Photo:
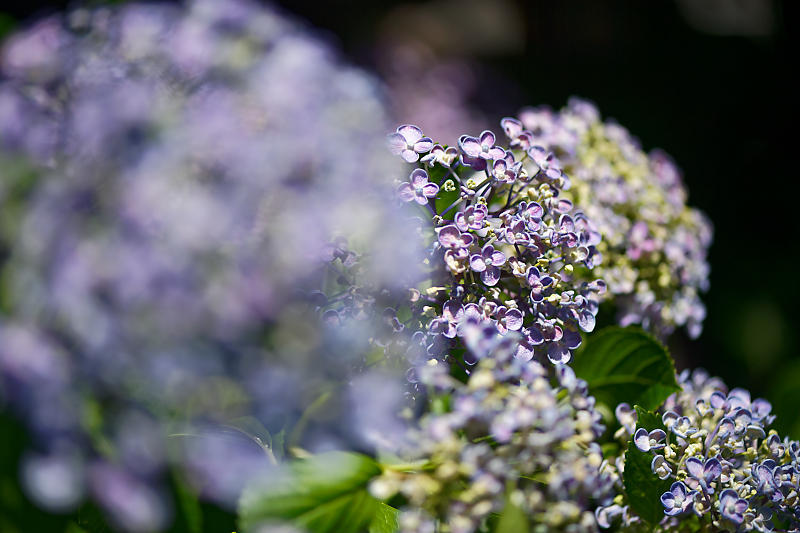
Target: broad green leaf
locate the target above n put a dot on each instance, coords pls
(626, 365)
(321, 494)
(648, 420)
(385, 519)
(642, 486)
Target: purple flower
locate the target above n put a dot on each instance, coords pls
(546, 162)
(417, 188)
(731, 506)
(537, 282)
(487, 263)
(660, 467)
(702, 474)
(442, 156)
(471, 218)
(649, 441)
(451, 237)
(481, 148)
(558, 353)
(677, 500)
(516, 133)
(447, 324)
(764, 476)
(508, 319)
(409, 142)
(506, 169)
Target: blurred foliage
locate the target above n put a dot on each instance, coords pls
(19, 515)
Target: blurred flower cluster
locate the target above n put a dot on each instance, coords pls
(727, 466)
(654, 247)
(173, 179)
(516, 433)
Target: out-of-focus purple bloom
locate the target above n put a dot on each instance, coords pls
(408, 142)
(546, 162)
(447, 324)
(417, 188)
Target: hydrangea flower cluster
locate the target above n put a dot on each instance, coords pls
(727, 466)
(509, 437)
(190, 167)
(654, 247)
(506, 245)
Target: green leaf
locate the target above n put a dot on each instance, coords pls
(648, 419)
(512, 520)
(321, 494)
(385, 519)
(642, 486)
(188, 505)
(626, 365)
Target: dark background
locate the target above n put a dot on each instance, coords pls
(709, 81)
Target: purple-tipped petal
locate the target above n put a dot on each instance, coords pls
(409, 156)
(642, 440)
(557, 353)
(410, 133)
(423, 145)
(660, 467)
(430, 190)
(490, 276)
(397, 143)
(695, 467)
(495, 153)
(514, 319)
(712, 470)
(450, 237)
(511, 126)
(477, 263)
(470, 146)
(406, 192)
(498, 258)
(418, 178)
(487, 139)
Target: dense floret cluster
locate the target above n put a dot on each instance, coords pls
(517, 431)
(506, 245)
(726, 466)
(654, 247)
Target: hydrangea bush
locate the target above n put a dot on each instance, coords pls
(222, 266)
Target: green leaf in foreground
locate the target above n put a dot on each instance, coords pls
(626, 365)
(642, 486)
(385, 519)
(321, 494)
